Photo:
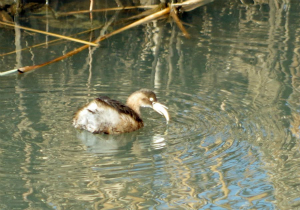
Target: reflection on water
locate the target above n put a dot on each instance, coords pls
(233, 97)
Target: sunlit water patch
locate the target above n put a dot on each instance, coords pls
(203, 147)
(201, 159)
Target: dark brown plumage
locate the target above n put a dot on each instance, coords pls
(118, 106)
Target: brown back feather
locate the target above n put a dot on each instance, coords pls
(118, 106)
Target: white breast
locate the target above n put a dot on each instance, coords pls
(96, 117)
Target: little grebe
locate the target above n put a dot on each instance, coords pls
(105, 115)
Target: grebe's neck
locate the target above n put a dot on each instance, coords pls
(134, 103)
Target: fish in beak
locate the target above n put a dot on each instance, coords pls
(161, 109)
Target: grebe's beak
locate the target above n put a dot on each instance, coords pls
(161, 109)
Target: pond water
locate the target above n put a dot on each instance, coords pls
(233, 95)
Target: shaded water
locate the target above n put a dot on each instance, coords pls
(233, 96)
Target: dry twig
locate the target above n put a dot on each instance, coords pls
(48, 33)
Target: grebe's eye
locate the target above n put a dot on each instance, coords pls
(151, 99)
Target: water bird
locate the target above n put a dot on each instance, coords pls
(105, 115)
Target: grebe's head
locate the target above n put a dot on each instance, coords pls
(147, 98)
